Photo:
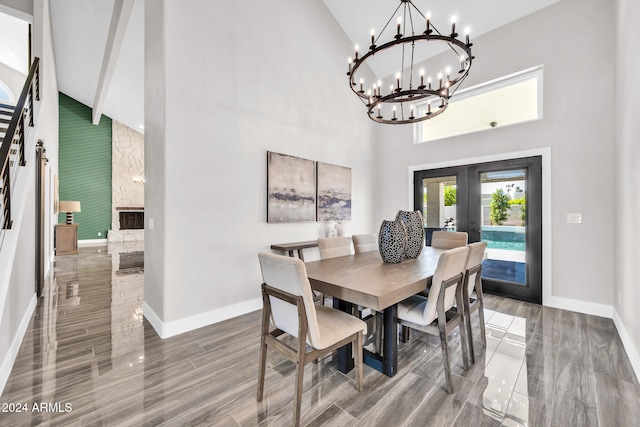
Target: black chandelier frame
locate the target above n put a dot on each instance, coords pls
(399, 96)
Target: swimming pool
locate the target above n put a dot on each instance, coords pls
(512, 246)
(504, 237)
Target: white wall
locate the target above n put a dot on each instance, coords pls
(627, 222)
(17, 299)
(572, 40)
(239, 79)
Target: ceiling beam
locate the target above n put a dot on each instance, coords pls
(122, 10)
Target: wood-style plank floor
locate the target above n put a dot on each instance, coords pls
(93, 360)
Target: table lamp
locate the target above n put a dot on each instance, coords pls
(69, 207)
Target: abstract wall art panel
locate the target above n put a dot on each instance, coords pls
(334, 192)
(291, 188)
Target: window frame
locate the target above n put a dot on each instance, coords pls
(536, 73)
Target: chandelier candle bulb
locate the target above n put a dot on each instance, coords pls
(394, 113)
(453, 26)
(448, 70)
(461, 64)
(379, 87)
(422, 77)
(357, 49)
(428, 23)
(440, 80)
(361, 85)
(373, 39)
(398, 81)
(350, 61)
(399, 23)
(466, 34)
(429, 83)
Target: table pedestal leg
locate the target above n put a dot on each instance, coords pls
(390, 341)
(345, 354)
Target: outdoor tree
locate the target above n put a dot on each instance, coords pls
(449, 195)
(499, 207)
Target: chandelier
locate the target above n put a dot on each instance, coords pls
(397, 101)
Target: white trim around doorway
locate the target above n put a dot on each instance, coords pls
(548, 299)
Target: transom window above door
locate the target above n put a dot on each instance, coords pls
(509, 100)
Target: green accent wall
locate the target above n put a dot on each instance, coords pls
(85, 168)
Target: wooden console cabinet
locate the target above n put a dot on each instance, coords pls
(66, 240)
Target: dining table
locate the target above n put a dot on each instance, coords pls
(364, 280)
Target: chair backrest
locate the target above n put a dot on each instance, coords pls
(365, 243)
(450, 264)
(290, 275)
(476, 253)
(332, 247)
(449, 239)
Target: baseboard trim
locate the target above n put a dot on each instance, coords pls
(578, 306)
(10, 357)
(627, 342)
(176, 327)
(92, 242)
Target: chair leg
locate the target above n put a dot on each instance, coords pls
(263, 363)
(445, 358)
(464, 342)
(404, 336)
(357, 354)
(263, 356)
(378, 332)
(481, 319)
(297, 399)
(467, 325)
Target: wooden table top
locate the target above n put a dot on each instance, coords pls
(365, 280)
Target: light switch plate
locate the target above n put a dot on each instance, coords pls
(574, 218)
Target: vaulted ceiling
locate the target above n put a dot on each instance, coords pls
(100, 44)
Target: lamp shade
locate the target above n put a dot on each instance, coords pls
(67, 206)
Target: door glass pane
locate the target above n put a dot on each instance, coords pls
(504, 195)
(439, 204)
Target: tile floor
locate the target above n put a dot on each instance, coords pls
(93, 360)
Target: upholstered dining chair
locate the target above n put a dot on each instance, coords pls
(368, 243)
(436, 314)
(332, 247)
(473, 282)
(365, 243)
(288, 306)
(449, 239)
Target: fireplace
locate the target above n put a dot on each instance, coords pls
(132, 220)
(127, 224)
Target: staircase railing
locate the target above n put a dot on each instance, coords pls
(12, 148)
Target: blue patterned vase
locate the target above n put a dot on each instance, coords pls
(392, 241)
(415, 232)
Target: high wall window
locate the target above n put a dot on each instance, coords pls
(5, 94)
(509, 100)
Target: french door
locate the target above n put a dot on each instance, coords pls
(499, 203)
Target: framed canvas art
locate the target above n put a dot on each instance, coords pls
(291, 188)
(334, 192)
